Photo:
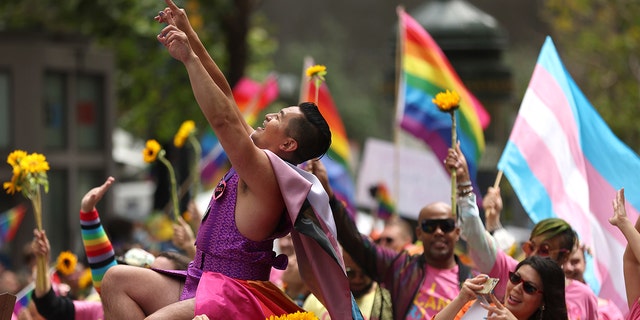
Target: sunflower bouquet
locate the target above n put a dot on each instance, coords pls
(449, 101)
(152, 152)
(29, 176)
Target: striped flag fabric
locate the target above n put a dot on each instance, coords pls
(252, 97)
(386, 205)
(10, 222)
(563, 161)
(338, 158)
(424, 72)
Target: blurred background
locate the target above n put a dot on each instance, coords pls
(86, 83)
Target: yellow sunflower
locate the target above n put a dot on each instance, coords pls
(85, 279)
(150, 152)
(317, 70)
(34, 163)
(295, 316)
(186, 129)
(66, 263)
(15, 157)
(447, 101)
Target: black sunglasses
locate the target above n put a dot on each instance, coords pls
(431, 225)
(527, 286)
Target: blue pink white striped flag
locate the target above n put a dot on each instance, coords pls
(563, 161)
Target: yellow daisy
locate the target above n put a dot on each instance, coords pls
(447, 101)
(317, 70)
(186, 129)
(150, 152)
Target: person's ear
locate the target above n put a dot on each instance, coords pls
(289, 145)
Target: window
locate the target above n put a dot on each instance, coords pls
(55, 100)
(90, 112)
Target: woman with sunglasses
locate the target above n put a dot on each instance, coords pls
(535, 290)
(553, 238)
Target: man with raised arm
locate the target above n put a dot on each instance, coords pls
(257, 201)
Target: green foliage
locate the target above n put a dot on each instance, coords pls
(153, 92)
(599, 42)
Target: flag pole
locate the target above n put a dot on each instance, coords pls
(396, 118)
(498, 178)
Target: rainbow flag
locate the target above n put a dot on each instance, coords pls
(23, 298)
(386, 205)
(424, 72)
(338, 158)
(563, 161)
(10, 222)
(252, 98)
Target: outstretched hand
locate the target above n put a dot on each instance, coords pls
(172, 14)
(619, 210)
(472, 286)
(94, 196)
(183, 237)
(492, 204)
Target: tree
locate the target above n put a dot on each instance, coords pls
(599, 42)
(153, 92)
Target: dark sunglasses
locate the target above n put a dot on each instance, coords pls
(431, 225)
(543, 250)
(527, 286)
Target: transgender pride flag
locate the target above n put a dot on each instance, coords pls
(563, 161)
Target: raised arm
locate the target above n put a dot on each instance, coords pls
(631, 257)
(182, 22)
(482, 246)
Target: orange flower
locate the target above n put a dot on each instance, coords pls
(447, 101)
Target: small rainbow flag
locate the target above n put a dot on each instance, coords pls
(10, 222)
(424, 72)
(338, 157)
(251, 97)
(23, 298)
(386, 205)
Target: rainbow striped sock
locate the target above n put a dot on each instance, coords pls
(97, 246)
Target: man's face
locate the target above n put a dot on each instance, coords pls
(393, 237)
(437, 231)
(273, 132)
(575, 266)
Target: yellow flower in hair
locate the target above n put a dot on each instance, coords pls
(295, 316)
(85, 279)
(447, 101)
(150, 152)
(66, 263)
(186, 129)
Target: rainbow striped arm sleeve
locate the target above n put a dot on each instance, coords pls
(97, 246)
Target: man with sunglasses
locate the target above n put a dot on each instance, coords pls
(553, 238)
(420, 284)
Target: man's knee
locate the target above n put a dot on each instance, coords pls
(115, 277)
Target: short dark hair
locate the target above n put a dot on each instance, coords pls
(180, 261)
(552, 278)
(311, 132)
(556, 227)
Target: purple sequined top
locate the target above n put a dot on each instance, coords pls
(220, 247)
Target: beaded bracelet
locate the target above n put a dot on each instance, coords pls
(464, 184)
(465, 192)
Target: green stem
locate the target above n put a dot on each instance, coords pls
(172, 177)
(454, 139)
(195, 172)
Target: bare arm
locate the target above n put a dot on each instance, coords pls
(261, 208)
(631, 258)
(182, 22)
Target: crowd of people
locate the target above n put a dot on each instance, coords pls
(227, 265)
